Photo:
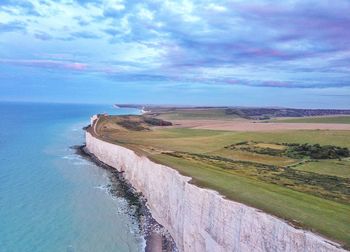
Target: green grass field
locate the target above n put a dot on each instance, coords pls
(313, 195)
(329, 167)
(205, 114)
(330, 119)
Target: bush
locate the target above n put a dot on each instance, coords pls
(317, 151)
(156, 122)
(131, 125)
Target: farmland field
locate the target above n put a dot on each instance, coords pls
(325, 119)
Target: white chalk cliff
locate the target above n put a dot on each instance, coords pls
(201, 219)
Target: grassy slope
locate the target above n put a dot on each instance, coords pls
(197, 114)
(333, 119)
(328, 167)
(254, 157)
(198, 140)
(324, 216)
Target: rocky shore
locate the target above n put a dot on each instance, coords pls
(157, 237)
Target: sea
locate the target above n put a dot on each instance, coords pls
(51, 198)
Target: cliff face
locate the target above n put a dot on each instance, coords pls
(200, 219)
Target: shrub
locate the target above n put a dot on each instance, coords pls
(131, 125)
(156, 122)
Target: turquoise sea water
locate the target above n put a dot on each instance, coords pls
(51, 199)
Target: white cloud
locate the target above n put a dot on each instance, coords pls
(205, 38)
(216, 7)
(145, 14)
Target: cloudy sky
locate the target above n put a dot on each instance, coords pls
(209, 52)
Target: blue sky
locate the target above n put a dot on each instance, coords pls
(207, 52)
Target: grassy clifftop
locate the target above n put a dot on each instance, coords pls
(254, 168)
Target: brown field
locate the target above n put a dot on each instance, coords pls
(245, 125)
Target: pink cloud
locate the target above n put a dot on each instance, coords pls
(76, 66)
(233, 82)
(109, 70)
(52, 64)
(276, 84)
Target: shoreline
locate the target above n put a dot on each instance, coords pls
(157, 238)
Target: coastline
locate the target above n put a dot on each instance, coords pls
(157, 238)
(192, 219)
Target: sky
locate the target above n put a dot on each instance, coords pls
(189, 52)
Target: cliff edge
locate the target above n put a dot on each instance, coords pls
(201, 219)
